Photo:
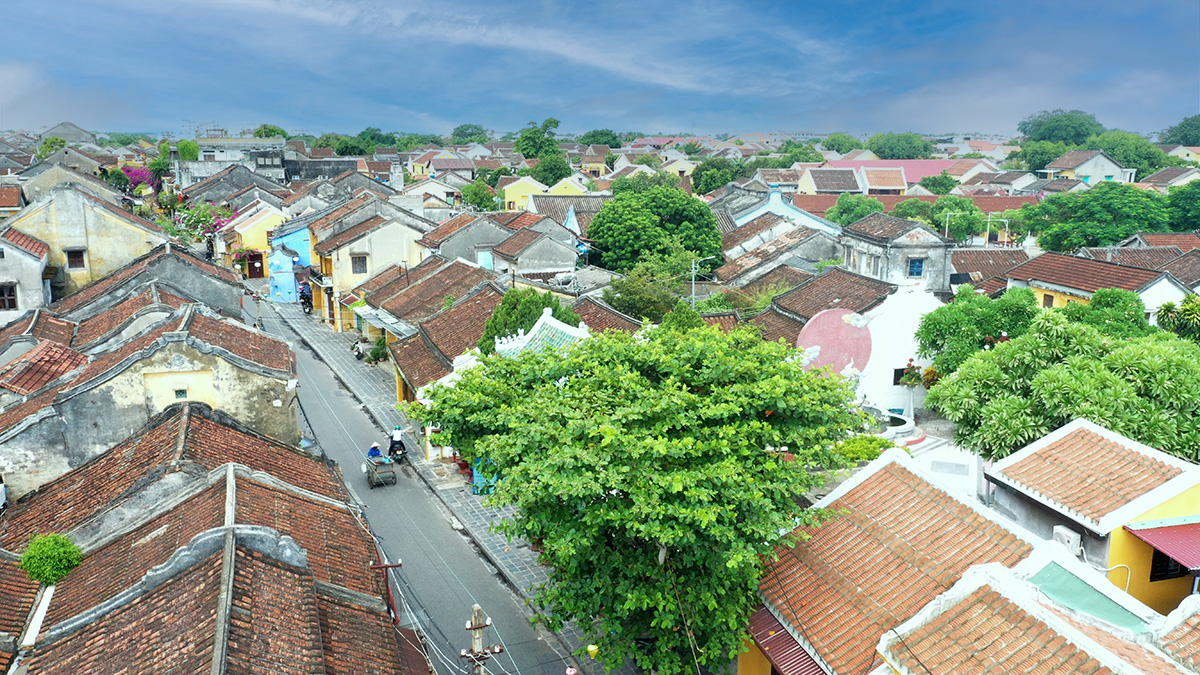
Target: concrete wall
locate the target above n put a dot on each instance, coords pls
(22, 269)
(1040, 520)
(889, 261)
(543, 256)
(893, 325)
(481, 235)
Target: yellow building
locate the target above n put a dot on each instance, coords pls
(517, 191)
(567, 187)
(250, 231)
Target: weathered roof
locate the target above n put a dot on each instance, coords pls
(1149, 257)
(1186, 241)
(513, 246)
(39, 366)
(751, 228)
(783, 277)
(599, 316)
(336, 241)
(776, 325)
(1182, 641)
(448, 228)
(421, 299)
(1165, 176)
(820, 204)
(987, 263)
(418, 360)
(1072, 159)
(1185, 268)
(885, 178)
(768, 251)
(556, 207)
(884, 227)
(31, 245)
(833, 288)
(1083, 274)
(835, 180)
(10, 196)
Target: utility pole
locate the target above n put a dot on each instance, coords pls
(946, 233)
(478, 654)
(696, 268)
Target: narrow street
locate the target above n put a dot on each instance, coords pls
(442, 573)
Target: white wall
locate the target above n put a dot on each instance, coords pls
(893, 325)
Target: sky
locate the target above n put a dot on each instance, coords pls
(652, 66)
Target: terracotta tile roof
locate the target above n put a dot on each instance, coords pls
(776, 324)
(46, 326)
(418, 361)
(513, 246)
(383, 277)
(331, 217)
(320, 152)
(525, 219)
(768, 251)
(1087, 472)
(1185, 268)
(1150, 257)
(91, 330)
(781, 278)
(1144, 659)
(834, 288)
(885, 178)
(506, 218)
(1061, 185)
(1160, 177)
(272, 626)
(998, 203)
(421, 299)
(835, 180)
(33, 246)
(10, 197)
(882, 226)
(726, 321)
(123, 640)
(457, 329)
(505, 181)
(401, 280)
(1072, 159)
(1082, 274)
(490, 164)
(360, 640)
(242, 341)
(894, 542)
(1183, 642)
(448, 228)
(961, 167)
(16, 599)
(750, 229)
(1186, 241)
(336, 241)
(987, 263)
(992, 286)
(599, 316)
(39, 366)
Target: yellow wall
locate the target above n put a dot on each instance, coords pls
(160, 388)
(1184, 153)
(420, 170)
(753, 661)
(594, 169)
(1126, 549)
(518, 194)
(1060, 299)
(564, 188)
(253, 232)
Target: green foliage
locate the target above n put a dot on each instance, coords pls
(862, 448)
(851, 208)
(624, 451)
(49, 558)
(642, 182)
(468, 133)
(714, 173)
(189, 151)
(717, 302)
(793, 151)
(346, 146)
(1131, 151)
(379, 351)
(116, 178)
(841, 143)
(492, 176)
(1065, 126)
(956, 331)
(968, 221)
(645, 292)
(538, 141)
(50, 146)
(1146, 388)
(193, 221)
(683, 318)
(939, 185)
(1103, 215)
(914, 209)
(828, 262)
(372, 137)
(1187, 132)
(551, 169)
(164, 149)
(649, 159)
(519, 310)
(479, 195)
(690, 148)
(601, 137)
(1035, 155)
(270, 131)
(159, 166)
(1182, 319)
(1115, 312)
(634, 224)
(900, 146)
(125, 139)
(406, 142)
(1183, 207)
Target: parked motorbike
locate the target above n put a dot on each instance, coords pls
(360, 348)
(306, 304)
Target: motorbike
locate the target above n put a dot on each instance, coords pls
(306, 304)
(360, 348)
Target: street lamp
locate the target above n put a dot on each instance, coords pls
(946, 234)
(696, 268)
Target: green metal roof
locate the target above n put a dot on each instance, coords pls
(1070, 591)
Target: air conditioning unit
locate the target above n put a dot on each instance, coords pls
(1069, 538)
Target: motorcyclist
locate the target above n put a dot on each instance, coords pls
(396, 447)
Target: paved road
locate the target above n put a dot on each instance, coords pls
(442, 574)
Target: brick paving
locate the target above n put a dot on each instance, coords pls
(375, 387)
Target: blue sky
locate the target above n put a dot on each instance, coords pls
(651, 66)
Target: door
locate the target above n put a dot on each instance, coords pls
(255, 266)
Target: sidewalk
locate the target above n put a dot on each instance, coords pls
(375, 387)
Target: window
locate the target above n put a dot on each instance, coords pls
(1, 254)
(1047, 300)
(8, 296)
(1108, 178)
(181, 393)
(916, 267)
(1164, 567)
(898, 373)
(358, 264)
(75, 260)
(1085, 178)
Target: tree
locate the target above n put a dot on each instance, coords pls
(1131, 151)
(1187, 132)
(538, 141)
(965, 220)
(1183, 207)
(50, 146)
(940, 184)
(1184, 319)
(1103, 215)
(353, 146)
(374, 136)
(116, 178)
(634, 224)
(956, 331)
(270, 131)
(649, 159)
(1115, 312)
(1065, 126)
(643, 294)
(795, 151)
(1035, 155)
(714, 173)
(683, 318)
(493, 176)
(914, 209)
(480, 195)
(551, 169)
(659, 472)
(900, 146)
(519, 310)
(642, 182)
(50, 557)
(1146, 388)
(690, 148)
(120, 139)
(841, 143)
(189, 151)
(468, 133)
(601, 137)
(851, 208)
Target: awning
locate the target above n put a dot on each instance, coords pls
(1175, 537)
(780, 648)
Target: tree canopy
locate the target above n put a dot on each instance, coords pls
(1115, 312)
(954, 332)
(1103, 215)
(683, 318)
(538, 141)
(1182, 319)
(601, 137)
(551, 169)
(1183, 207)
(651, 288)
(851, 208)
(480, 195)
(1187, 132)
(633, 224)
(900, 146)
(1035, 155)
(963, 217)
(914, 209)
(841, 143)
(1065, 126)
(940, 184)
(1146, 388)
(1131, 151)
(519, 310)
(50, 146)
(659, 472)
(189, 150)
(641, 182)
(468, 133)
(713, 173)
(270, 131)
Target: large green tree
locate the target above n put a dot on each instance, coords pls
(1183, 207)
(963, 217)
(601, 137)
(1182, 319)
(641, 182)
(50, 146)
(1187, 132)
(480, 195)
(519, 310)
(956, 331)
(1103, 215)
(633, 224)
(270, 131)
(1035, 155)
(468, 133)
(1131, 151)
(914, 209)
(1065, 126)
(538, 141)
(189, 150)
(643, 293)
(851, 208)
(1115, 312)
(551, 169)
(940, 184)
(841, 143)
(1004, 398)
(714, 173)
(659, 472)
(900, 146)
